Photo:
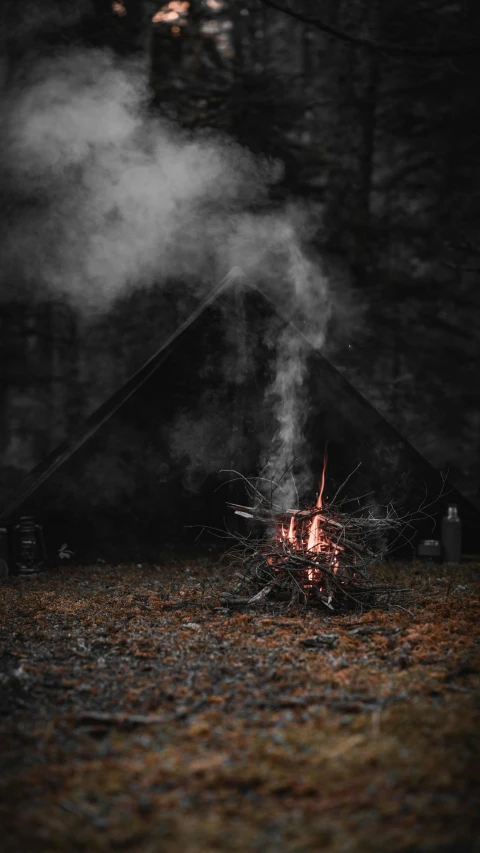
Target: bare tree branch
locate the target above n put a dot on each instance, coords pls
(359, 41)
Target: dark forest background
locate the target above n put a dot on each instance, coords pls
(370, 109)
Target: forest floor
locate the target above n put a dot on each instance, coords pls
(137, 714)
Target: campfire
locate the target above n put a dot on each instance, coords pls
(320, 555)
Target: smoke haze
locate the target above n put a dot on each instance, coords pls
(118, 199)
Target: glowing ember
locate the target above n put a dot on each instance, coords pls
(175, 12)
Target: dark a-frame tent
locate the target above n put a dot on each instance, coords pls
(115, 490)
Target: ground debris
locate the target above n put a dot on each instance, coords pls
(136, 714)
(372, 629)
(117, 719)
(318, 641)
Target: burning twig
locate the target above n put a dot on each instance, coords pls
(320, 555)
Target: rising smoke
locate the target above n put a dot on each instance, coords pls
(285, 463)
(114, 198)
(123, 196)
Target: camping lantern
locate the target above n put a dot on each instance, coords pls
(452, 535)
(429, 549)
(28, 546)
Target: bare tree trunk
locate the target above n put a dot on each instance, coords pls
(308, 61)
(240, 399)
(369, 115)
(365, 258)
(238, 37)
(73, 387)
(4, 382)
(44, 327)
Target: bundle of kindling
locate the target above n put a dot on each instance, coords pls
(320, 555)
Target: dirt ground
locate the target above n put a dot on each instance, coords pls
(137, 714)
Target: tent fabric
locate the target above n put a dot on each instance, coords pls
(142, 477)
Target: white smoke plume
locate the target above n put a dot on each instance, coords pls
(114, 198)
(311, 312)
(117, 198)
(285, 461)
(122, 196)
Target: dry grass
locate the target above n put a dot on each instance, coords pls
(368, 742)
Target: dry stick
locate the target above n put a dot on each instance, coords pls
(287, 565)
(260, 597)
(371, 44)
(117, 719)
(135, 719)
(344, 484)
(235, 600)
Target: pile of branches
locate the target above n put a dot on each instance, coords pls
(285, 564)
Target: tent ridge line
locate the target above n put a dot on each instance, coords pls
(361, 399)
(67, 448)
(41, 472)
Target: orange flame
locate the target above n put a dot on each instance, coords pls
(309, 536)
(319, 502)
